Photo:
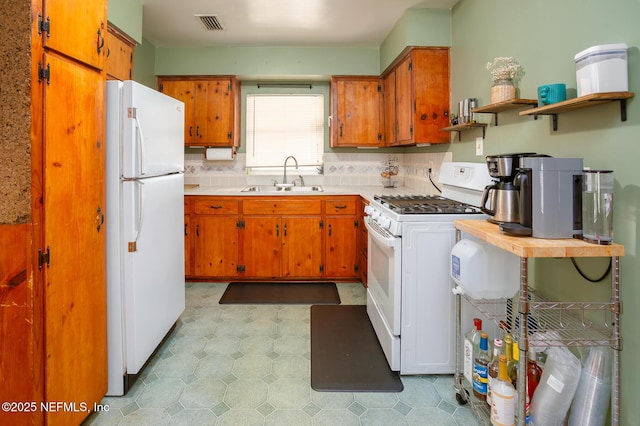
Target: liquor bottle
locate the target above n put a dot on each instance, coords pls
(480, 371)
(512, 365)
(534, 372)
(471, 343)
(503, 397)
(493, 366)
(507, 341)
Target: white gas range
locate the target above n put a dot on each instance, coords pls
(409, 298)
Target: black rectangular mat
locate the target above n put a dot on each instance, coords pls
(345, 353)
(281, 293)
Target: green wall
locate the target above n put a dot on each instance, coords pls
(544, 36)
(127, 16)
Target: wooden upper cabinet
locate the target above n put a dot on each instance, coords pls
(119, 55)
(211, 108)
(357, 111)
(420, 104)
(78, 30)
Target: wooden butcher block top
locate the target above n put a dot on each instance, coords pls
(536, 247)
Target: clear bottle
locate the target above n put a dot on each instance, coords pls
(480, 368)
(493, 366)
(471, 343)
(512, 365)
(534, 372)
(503, 397)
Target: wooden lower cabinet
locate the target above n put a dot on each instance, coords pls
(279, 237)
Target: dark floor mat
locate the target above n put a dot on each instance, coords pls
(345, 353)
(281, 293)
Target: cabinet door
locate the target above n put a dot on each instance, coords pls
(214, 112)
(77, 29)
(185, 91)
(390, 122)
(301, 247)
(357, 111)
(119, 56)
(340, 255)
(404, 102)
(75, 316)
(262, 246)
(431, 93)
(215, 246)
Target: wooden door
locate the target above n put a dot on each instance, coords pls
(215, 112)
(215, 246)
(77, 29)
(262, 246)
(431, 89)
(404, 102)
(185, 91)
(74, 203)
(341, 241)
(358, 112)
(390, 122)
(301, 246)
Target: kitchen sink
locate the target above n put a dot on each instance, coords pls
(272, 188)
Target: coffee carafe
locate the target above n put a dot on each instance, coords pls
(503, 196)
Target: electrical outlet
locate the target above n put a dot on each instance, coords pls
(479, 145)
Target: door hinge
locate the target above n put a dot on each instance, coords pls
(355, 223)
(160, 87)
(379, 136)
(240, 224)
(44, 73)
(43, 257)
(229, 135)
(355, 268)
(44, 26)
(321, 224)
(379, 88)
(240, 268)
(230, 86)
(321, 268)
(410, 65)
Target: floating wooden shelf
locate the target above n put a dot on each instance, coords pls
(504, 106)
(466, 126)
(582, 102)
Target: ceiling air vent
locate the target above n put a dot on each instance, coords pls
(210, 22)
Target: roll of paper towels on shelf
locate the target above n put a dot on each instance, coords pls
(219, 154)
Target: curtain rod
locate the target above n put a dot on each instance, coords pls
(288, 85)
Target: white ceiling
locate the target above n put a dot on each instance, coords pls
(358, 23)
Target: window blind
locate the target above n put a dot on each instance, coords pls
(278, 126)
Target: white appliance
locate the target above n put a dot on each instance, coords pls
(409, 297)
(145, 222)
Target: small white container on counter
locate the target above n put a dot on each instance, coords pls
(601, 69)
(484, 271)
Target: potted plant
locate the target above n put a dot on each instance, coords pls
(505, 73)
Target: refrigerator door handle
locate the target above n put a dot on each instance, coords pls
(141, 148)
(133, 245)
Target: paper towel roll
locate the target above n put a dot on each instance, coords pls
(219, 154)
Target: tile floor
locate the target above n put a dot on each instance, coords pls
(250, 365)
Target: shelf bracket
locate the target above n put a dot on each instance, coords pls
(495, 119)
(623, 109)
(554, 117)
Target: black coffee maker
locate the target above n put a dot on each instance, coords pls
(503, 196)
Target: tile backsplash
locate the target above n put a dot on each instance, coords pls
(357, 169)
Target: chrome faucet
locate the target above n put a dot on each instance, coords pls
(284, 178)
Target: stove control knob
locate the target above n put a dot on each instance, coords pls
(368, 209)
(385, 222)
(375, 214)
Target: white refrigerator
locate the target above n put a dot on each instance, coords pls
(145, 225)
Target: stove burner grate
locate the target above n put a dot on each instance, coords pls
(424, 204)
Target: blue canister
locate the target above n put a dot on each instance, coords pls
(551, 93)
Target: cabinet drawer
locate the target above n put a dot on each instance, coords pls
(215, 206)
(340, 206)
(282, 205)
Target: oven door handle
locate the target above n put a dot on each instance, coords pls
(382, 240)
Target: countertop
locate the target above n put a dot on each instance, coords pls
(536, 247)
(366, 192)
